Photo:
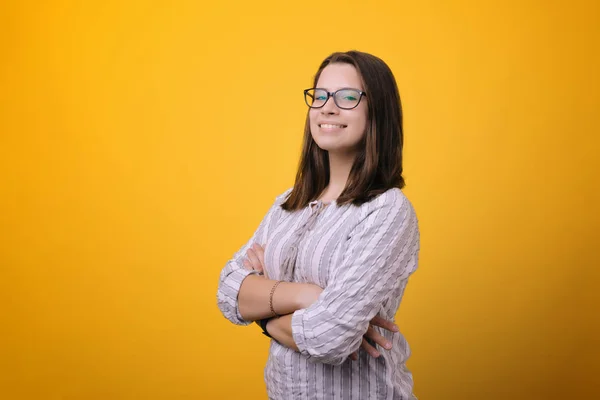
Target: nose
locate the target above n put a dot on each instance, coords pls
(330, 108)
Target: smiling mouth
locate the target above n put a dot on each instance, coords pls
(331, 126)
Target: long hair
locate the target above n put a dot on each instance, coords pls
(378, 164)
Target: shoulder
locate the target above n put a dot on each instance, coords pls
(389, 209)
(392, 200)
(281, 198)
(275, 209)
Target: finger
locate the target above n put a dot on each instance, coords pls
(247, 265)
(255, 262)
(378, 338)
(384, 323)
(260, 252)
(370, 349)
(354, 356)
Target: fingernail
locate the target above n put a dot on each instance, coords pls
(388, 345)
(395, 328)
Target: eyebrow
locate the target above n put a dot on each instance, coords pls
(339, 88)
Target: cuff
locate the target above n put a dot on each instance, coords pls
(299, 333)
(234, 282)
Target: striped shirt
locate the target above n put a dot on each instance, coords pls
(362, 256)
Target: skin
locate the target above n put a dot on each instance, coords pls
(339, 141)
(281, 328)
(342, 145)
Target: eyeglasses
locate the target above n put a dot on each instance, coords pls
(345, 98)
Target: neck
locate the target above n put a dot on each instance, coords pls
(339, 170)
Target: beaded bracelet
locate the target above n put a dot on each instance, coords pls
(271, 298)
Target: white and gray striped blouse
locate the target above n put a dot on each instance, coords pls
(362, 256)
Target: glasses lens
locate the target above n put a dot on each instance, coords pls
(347, 98)
(315, 97)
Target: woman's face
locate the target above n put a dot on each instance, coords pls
(334, 129)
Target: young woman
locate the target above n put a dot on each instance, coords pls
(326, 269)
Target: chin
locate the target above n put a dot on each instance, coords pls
(325, 144)
(332, 147)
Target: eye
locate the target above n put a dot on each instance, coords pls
(321, 97)
(348, 95)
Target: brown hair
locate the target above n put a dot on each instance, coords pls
(378, 165)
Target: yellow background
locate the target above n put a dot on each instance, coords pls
(141, 143)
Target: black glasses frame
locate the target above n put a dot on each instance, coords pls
(332, 94)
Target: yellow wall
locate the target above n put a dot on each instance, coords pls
(141, 142)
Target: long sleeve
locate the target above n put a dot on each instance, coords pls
(234, 273)
(382, 251)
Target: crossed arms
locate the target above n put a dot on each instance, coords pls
(255, 303)
(329, 324)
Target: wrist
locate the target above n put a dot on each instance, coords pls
(263, 325)
(269, 324)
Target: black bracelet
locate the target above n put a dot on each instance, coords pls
(263, 325)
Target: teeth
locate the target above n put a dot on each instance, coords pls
(330, 126)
